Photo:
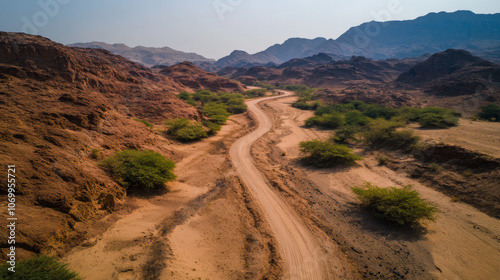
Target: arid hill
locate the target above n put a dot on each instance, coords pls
(193, 77)
(319, 71)
(61, 110)
(453, 73)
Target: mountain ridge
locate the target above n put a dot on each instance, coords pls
(431, 33)
(147, 56)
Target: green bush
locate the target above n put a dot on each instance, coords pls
(306, 106)
(205, 96)
(190, 133)
(213, 128)
(140, 170)
(185, 131)
(490, 112)
(383, 134)
(332, 121)
(376, 111)
(255, 92)
(216, 112)
(38, 268)
(324, 154)
(236, 106)
(345, 134)
(145, 122)
(401, 206)
(432, 120)
(184, 96)
(356, 118)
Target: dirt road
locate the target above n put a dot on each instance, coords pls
(297, 245)
(463, 243)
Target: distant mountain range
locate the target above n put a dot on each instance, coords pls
(148, 56)
(434, 32)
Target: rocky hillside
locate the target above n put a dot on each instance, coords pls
(452, 73)
(148, 56)
(193, 77)
(63, 109)
(321, 71)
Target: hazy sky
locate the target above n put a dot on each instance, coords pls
(212, 28)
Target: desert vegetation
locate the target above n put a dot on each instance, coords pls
(217, 107)
(358, 113)
(141, 171)
(326, 154)
(39, 268)
(403, 206)
(255, 93)
(490, 112)
(185, 130)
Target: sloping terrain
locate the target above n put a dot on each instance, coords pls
(321, 71)
(452, 73)
(193, 77)
(147, 56)
(63, 109)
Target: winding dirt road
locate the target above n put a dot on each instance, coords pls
(302, 256)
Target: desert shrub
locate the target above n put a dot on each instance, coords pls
(255, 92)
(205, 96)
(185, 131)
(324, 154)
(140, 170)
(145, 122)
(184, 96)
(383, 134)
(216, 112)
(490, 112)
(39, 268)
(190, 133)
(407, 115)
(345, 134)
(356, 118)
(236, 106)
(306, 106)
(401, 206)
(431, 120)
(375, 111)
(332, 121)
(213, 128)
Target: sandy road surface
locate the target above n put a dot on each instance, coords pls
(298, 248)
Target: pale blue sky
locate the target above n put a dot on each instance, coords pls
(212, 28)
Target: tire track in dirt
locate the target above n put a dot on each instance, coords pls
(297, 244)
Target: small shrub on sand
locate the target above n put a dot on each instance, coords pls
(140, 170)
(325, 154)
(402, 206)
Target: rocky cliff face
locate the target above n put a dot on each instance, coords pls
(62, 109)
